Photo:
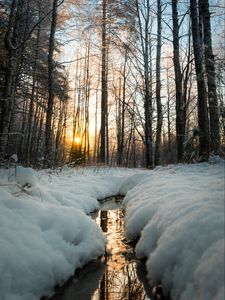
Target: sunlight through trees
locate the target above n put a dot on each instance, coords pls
(124, 83)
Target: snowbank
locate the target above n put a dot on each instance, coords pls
(178, 212)
(41, 245)
(44, 231)
(25, 176)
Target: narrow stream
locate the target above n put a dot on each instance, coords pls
(118, 275)
(120, 280)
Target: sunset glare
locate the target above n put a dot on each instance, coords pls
(77, 140)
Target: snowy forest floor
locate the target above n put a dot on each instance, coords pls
(176, 212)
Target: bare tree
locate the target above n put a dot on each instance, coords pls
(202, 99)
(211, 76)
(158, 84)
(121, 112)
(12, 42)
(180, 126)
(104, 95)
(51, 67)
(144, 24)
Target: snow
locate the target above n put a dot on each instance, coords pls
(25, 176)
(177, 211)
(45, 233)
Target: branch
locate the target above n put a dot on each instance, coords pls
(34, 27)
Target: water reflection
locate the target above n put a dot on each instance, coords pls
(118, 275)
(83, 284)
(104, 220)
(120, 281)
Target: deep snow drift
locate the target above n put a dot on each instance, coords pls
(44, 232)
(178, 211)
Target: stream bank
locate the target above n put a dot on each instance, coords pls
(118, 275)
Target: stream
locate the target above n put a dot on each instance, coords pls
(118, 275)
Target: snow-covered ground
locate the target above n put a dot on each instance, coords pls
(178, 211)
(45, 233)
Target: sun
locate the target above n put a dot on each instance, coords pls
(77, 140)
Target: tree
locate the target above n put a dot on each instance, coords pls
(51, 69)
(31, 108)
(144, 24)
(104, 94)
(180, 125)
(158, 83)
(121, 112)
(211, 76)
(202, 99)
(23, 78)
(13, 48)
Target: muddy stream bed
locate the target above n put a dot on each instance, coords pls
(118, 275)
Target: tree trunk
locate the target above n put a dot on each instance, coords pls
(158, 84)
(96, 117)
(104, 95)
(168, 104)
(146, 52)
(180, 126)
(31, 108)
(10, 78)
(122, 113)
(211, 76)
(48, 127)
(202, 100)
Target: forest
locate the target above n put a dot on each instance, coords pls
(112, 149)
(133, 83)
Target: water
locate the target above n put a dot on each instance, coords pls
(118, 275)
(120, 280)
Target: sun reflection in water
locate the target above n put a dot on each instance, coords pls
(120, 280)
(118, 275)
